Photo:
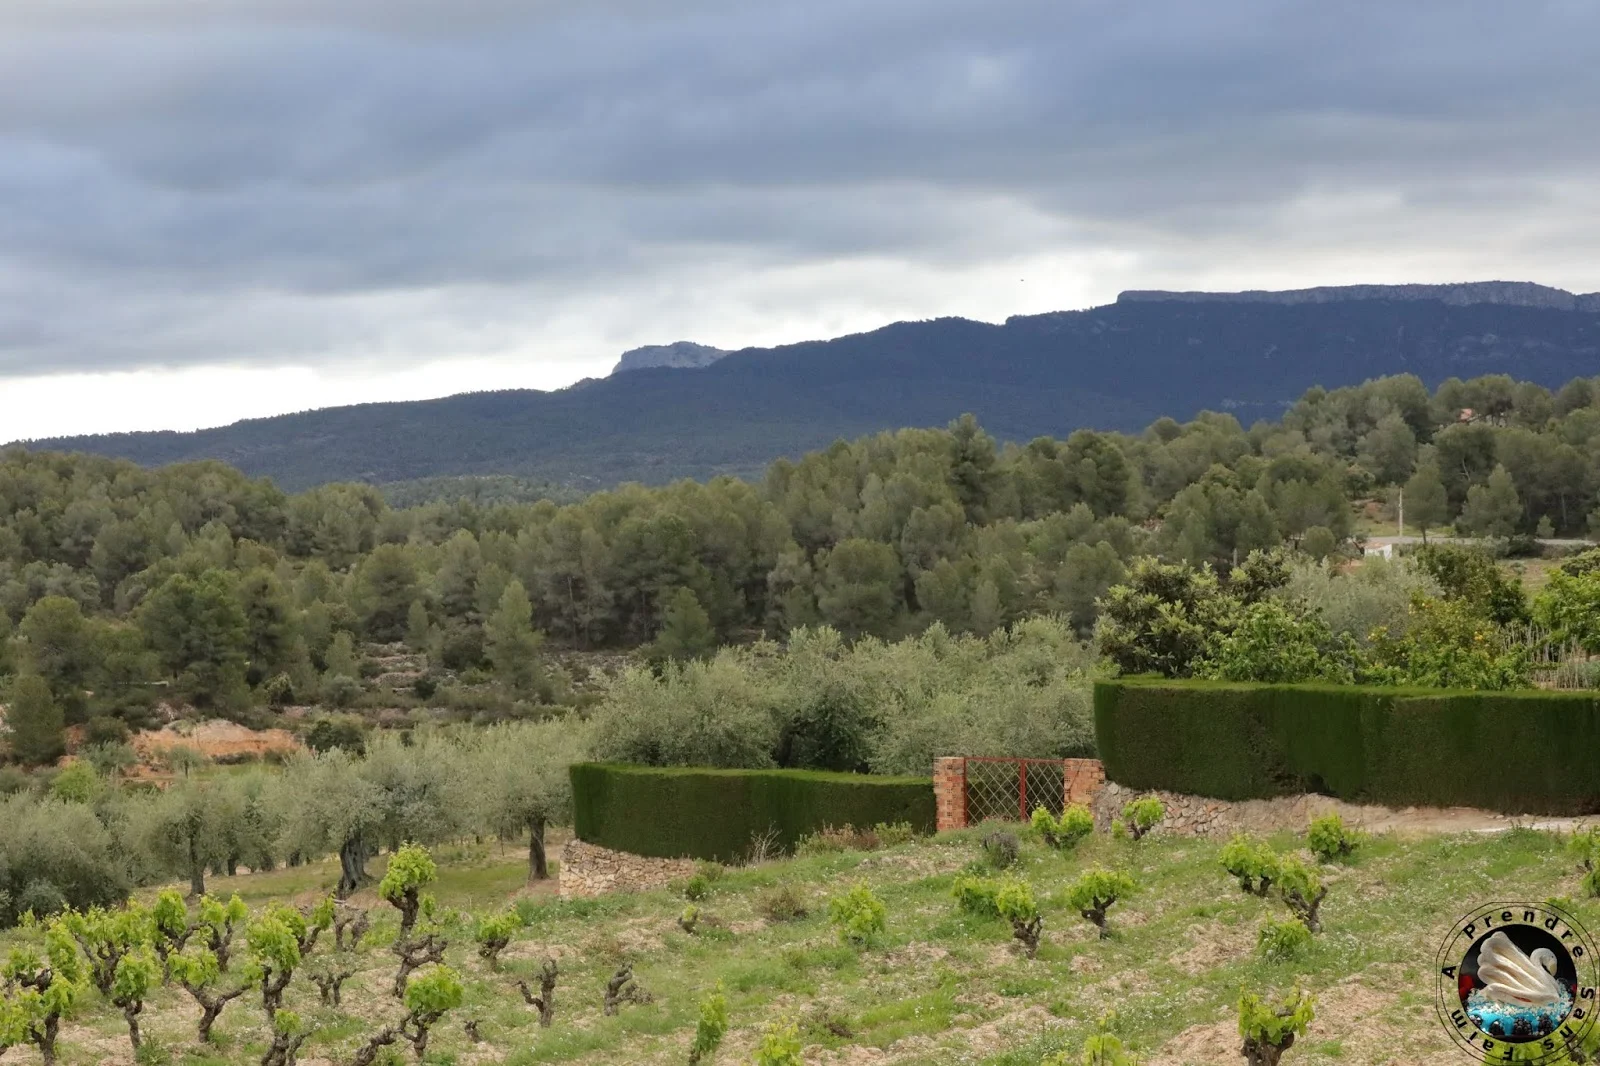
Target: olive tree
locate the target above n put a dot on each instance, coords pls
(520, 781)
(181, 830)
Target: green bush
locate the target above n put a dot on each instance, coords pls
(1329, 839)
(697, 888)
(1283, 941)
(976, 895)
(1270, 1029)
(1302, 891)
(1584, 847)
(1143, 815)
(1075, 823)
(1252, 862)
(859, 915)
(893, 834)
(1530, 752)
(676, 812)
(711, 1028)
(780, 1045)
(1095, 891)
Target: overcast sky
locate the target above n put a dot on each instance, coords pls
(230, 208)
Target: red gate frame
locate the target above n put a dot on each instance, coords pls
(1022, 778)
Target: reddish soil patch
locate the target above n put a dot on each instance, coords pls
(214, 739)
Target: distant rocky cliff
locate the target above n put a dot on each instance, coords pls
(681, 354)
(1507, 293)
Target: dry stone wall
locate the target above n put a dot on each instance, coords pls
(1203, 817)
(586, 870)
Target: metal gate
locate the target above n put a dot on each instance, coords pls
(1009, 789)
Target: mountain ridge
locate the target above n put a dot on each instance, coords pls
(1459, 294)
(1118, 366)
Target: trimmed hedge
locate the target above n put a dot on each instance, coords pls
(1515, 752)
(677, 812)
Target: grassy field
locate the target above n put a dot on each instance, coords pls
(941, 987)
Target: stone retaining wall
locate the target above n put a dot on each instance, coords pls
(587, 870)
(1203, 817)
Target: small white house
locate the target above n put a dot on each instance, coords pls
(1385, 549)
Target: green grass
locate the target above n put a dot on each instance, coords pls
(941, 987)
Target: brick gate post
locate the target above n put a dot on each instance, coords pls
(1082, 780)
(950, 793)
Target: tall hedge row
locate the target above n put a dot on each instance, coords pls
(1516, 752)
(675, 812)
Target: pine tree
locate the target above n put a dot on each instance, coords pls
(686, 630)
(341, 657)
(1425, 500)
(511, 644)
(36, 721)
(269, 634)
(1493, 509)
(197, 630)
(418, 629)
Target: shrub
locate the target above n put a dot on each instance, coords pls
(341, 690)
(714, 814)
(711, 871)
(1095, 891)
(1399, 747)
(1000, 848)
(343, 731)
(845, 838)
(697, 888)
(1252, 862)
(1076, 823)
(41, 899)
(1584, 847)
(1281, 941)
(783, 904)
(104, 729)
(893, 834)
(1329, 839)
(1101, 1049)
(37, 873)
(976, 895)
(1270, 1029)
(780, 1045)
(279, 690)
(711, 1028)
(494, 933)
(1143, 815)
(411, 869)
(1015, 903)
(858, 915)
(76, 783)
(1302, 891)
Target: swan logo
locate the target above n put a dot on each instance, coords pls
(1517, 984)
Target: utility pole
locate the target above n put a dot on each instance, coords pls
(1402, 512)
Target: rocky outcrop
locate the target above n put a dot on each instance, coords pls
(1506, 293)
(682, 354)
(587, 870)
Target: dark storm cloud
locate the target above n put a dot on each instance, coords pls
(166, 167)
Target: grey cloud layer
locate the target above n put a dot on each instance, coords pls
(269, 162)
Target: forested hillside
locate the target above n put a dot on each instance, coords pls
(1118, 367)
(120, 585)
